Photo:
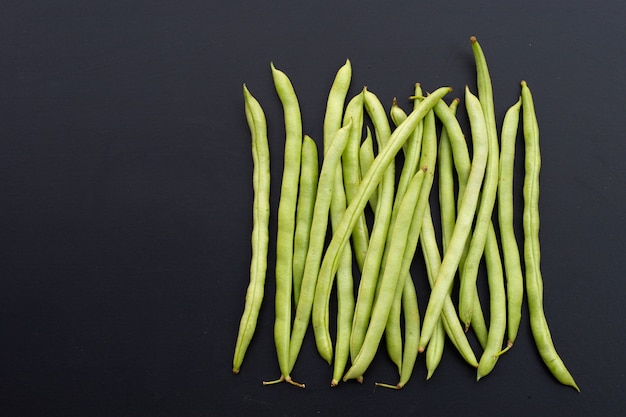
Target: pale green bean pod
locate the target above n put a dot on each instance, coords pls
(286, 219)
(260, 226)
(534, 281)
(510, 249)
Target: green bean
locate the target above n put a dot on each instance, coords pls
(464, 220)
(390, 278)
(488, 193)
(304, 212)
(534, 282)
(286, 219)
(260, 228)
(340, 237)
(383, 212)
(319, 226)
(510, 249)
(497, 305)
(462, 164)
(345, 295)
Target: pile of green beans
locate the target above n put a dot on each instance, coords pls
(354, 224)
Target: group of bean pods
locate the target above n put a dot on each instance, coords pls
(352, 177)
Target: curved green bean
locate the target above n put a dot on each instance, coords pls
(534, 282)
(510, 249)
(345, 295)
(309, 174)
(471, 262)
(260, 227)
(286, 219)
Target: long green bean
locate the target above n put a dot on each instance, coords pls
(534, 281)
(510, 249)
(260, 230)
(345, 281)
(286, 219)
(471, 262)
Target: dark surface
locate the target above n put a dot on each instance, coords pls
(125, 198)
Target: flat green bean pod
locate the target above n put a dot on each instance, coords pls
(286, 220)
(345, 292)
(510, 249)
(534, 281)
(260, 228)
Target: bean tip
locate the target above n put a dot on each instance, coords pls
(523, 83)
(473, 39)
(235, 371)
(334, 383)
(421, 349)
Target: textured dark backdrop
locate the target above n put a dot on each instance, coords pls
(125, 197)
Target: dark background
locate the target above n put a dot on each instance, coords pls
(125, 198)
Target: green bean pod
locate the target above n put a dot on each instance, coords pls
(464, 220)
(510, 249)
(368, 184)
(534, 282)
(471, 262)
(309, 174)
(286, 219)
(345, 295)
(260, 227)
